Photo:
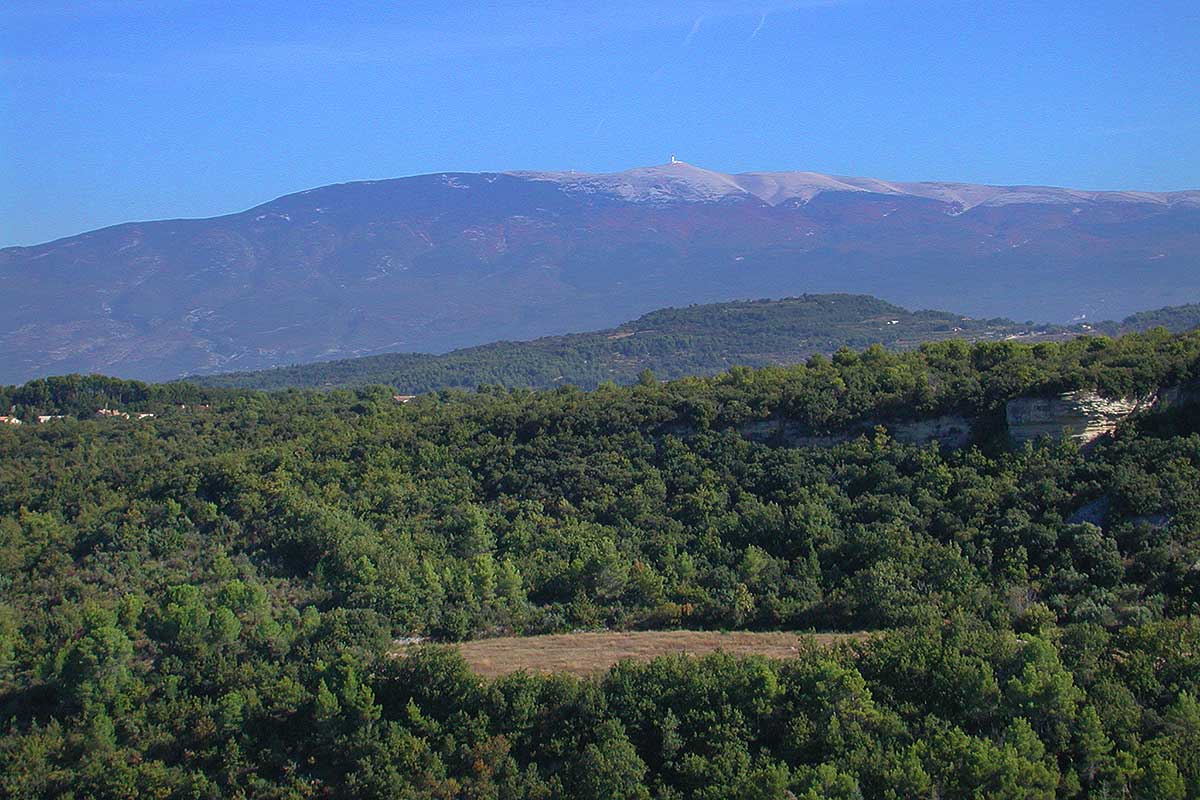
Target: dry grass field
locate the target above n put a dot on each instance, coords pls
(589, 653)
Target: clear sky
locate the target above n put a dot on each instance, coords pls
(116, 110)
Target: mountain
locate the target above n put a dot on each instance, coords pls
(671, 342)
(436, 262)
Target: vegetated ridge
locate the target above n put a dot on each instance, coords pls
(676, 342)
(205, 602)
(437, 262)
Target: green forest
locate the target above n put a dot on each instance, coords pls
(205, 603)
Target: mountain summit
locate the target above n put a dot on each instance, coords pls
(435, 262)
(678, 181)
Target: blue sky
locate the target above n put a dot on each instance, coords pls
(116, 110)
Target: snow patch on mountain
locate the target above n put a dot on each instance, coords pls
(682, 182)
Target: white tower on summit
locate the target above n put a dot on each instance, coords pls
(675, 160)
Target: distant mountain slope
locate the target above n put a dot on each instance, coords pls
(671, 342)
(675, 342)
(436, 262)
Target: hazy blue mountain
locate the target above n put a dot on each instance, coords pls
(444, 261)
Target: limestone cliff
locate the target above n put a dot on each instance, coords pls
(1082, 415)
(950, 430)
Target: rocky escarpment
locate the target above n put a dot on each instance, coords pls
(949, 430)
(1084, 415)
(1080, 415)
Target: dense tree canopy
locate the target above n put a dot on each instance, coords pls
(203, 603)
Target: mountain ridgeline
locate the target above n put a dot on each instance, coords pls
(676, 342)
(436, 262)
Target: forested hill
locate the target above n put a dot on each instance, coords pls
(204, 603)
(675, 342)
(671, 342)
(1174, 318)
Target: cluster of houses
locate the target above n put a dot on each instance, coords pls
(109, 413)
(112, 413)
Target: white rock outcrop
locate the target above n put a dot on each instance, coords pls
(1081, 415)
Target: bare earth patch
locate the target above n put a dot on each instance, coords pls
(589, 653)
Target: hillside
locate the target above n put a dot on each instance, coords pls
(1174, 318)
(437, 262)
(673, 343)
(697, 340)
(219, 600)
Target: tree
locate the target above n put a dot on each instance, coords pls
(609, 768)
